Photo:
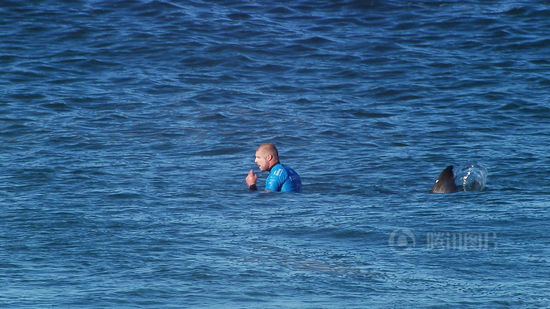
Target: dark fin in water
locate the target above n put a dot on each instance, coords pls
(445, 183)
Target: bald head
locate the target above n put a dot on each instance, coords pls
(266, 156)
(268, 149)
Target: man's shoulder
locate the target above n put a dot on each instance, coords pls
(289, 170)
(278, 170)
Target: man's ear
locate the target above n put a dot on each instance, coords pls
(269, 157)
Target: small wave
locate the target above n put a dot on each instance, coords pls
(472, 177)
(281, 10)
(316, 40)
(239, 16)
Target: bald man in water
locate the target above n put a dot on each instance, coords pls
(281, 178)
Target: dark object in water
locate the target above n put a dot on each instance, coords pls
(445, 183)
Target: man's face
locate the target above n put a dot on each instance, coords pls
(262, 160)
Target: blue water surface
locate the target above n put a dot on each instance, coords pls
(128, 127)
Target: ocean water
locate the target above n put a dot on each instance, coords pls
(128, 127)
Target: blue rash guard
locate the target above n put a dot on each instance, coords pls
(283, 179)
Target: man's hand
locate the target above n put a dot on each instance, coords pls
(251, 178)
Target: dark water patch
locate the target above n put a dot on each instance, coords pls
(214, 116)
(316, 40)
(348, 74)
(525, 108)
(528, 44)
(367, 114)
(57, 107)
(239, 16)
(97, 65)
(409, 97)
(201, 61)
(20, 76)
(524, 11)
(540, 62)
(336, 86)
(273, 68)
(8, 59)
(27, 96)
(124, 195)
(221, 151)
(165, 89)
(300, 49)
(281, 88)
